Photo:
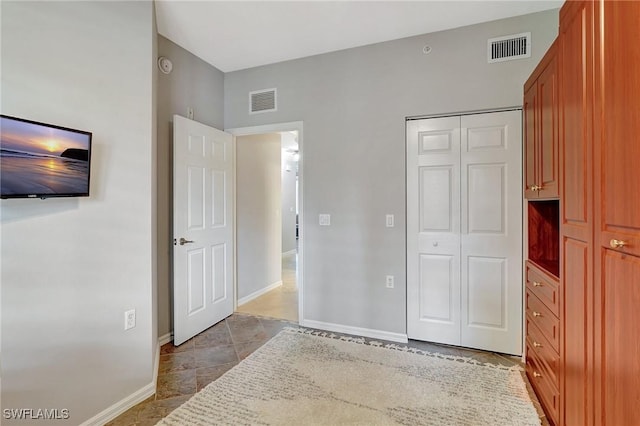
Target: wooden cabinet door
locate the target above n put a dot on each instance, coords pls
(576, 152)
(530, 143)
(547, 168)
(618, 215)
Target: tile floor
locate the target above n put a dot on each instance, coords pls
(185, 369)
(281, 302)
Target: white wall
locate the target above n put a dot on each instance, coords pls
(72, 267)
(258, 203)
(288, 178)
(195, 84)
(353, 104)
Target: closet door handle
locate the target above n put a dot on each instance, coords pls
(537, 314)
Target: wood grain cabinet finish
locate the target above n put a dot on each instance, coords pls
(575, 42)
(617, 214)
(541, 129)
(599, 195)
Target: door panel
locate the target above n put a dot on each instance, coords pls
(621, 347)
(203, 261)
(433, 240)
(530, 139)
(491, 209)
(548, 140)
(464, 230)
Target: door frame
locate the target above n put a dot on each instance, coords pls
(275, 128)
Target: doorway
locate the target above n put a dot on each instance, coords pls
(269, 234)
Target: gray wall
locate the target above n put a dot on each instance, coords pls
(288, 195)
(195, 84)
(258, 203)
(72, 267)
(353, 104)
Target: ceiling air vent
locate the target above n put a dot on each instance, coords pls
(262, 101)
(508, 48)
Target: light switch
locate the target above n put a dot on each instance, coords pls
(324, 219)
(390, 221)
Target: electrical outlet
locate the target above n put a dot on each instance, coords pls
(390, 221)
(129, 319)
(390, 281)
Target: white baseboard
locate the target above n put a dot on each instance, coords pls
(365, 332)
(287, 253)
(259, 293)
(164, 339)
(135, 398)
(121, 406)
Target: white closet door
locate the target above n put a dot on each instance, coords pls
(433, 227)
(491, 207)
(464, 231)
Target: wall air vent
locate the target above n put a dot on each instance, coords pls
(508, 48)
(262, 101)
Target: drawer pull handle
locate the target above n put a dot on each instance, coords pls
(537, 314)
(537, 284)
(617, 243)
(537, 345)
(535, 374)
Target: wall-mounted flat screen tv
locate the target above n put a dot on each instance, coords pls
(39, 160)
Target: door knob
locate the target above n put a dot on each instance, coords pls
(537, 284)
(617, 243)
(183, 241)
(537, 314)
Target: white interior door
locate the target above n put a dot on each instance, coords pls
(202, 227)
(491, 207)
(464, 231)
(433, 227)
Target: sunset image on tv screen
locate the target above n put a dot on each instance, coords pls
(36, 159)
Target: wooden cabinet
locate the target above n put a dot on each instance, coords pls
(541, 129)
(575, 43)
(617, 214)
(542, 296)
(590, 375)
(542, 328)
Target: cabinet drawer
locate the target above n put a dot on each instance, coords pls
(544, 319)
(545, 353)
(547, 393)
(544, 287)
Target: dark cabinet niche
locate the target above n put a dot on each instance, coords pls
(544, 235)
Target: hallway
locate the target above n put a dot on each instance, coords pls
(281, 302)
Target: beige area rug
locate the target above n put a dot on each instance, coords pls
(305, 377)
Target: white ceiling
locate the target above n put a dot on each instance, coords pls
(233, 35)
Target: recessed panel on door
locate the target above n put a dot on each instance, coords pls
(218, 197)
(486, 197)
(195, 280)
(483, 138)
(434, 141)
(435, 198)
(196, 145)
(436, 277)
(219, 272)
(487, 292)
(195, 197)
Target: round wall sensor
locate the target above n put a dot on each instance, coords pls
(165, 64)
(426, 49)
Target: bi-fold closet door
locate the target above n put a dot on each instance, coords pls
(464, 230)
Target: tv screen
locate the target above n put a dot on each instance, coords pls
(39, 160)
